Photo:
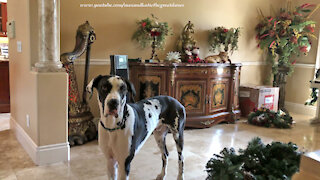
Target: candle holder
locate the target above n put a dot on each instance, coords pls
(154, 56)
(151, 32)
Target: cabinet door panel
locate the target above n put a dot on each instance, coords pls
(219, 89)
(151, 84)
(192, 95)
(3, 20)
(4, 87)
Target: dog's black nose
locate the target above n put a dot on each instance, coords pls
(113, 104)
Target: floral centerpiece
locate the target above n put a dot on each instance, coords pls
(152, 33)
(174, 57)
(223, 38)
(286, 34)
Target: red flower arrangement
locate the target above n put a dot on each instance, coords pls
(143, 24)
(150, 28)
(286, 35)
(155, 33)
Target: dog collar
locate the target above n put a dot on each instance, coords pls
(108, 129)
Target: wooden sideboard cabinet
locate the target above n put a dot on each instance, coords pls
(3, 19)
(209, 92)
(4, 87)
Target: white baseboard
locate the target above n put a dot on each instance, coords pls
(300, 108)
(41, 155)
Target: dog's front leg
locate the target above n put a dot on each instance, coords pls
(112, 166)
(123, 171)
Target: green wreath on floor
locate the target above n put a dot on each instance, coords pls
(267, 118)
(257, 162)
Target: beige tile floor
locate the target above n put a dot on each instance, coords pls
(4, 121)
(87, 161)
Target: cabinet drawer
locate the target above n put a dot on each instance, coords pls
(220, 71)
(192, 72)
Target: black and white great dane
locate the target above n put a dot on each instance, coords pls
(125, 127)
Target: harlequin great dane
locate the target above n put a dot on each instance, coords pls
(125, 127)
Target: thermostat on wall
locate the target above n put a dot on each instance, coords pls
(11, 29)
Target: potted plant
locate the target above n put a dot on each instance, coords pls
(224, 40)
(285, 36)
(152, 33)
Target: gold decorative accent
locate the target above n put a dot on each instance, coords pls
(193, 87)
(191, 96)
(193, 71)
(148, 91)
(173, 71)
(206, 123)
(155, 79)
(215, 71)
(222, 57)
(186, 40)
(85, 35)
(80, 120)
(218, 94)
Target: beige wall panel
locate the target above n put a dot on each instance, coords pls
(254, 75)
(95, 70)
(298, 86)
(23, 83)
(115, 26)
(52, 108)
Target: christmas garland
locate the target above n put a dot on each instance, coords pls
(267, 118)
(258, 161)
(148, 29)
(222, 37)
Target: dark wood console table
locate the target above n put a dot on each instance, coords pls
(208, 91)
(4, 87)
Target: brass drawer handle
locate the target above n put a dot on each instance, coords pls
(206, 123)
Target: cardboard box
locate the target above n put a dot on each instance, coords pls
(251, 97)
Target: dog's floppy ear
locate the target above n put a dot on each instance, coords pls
(93, 84)
(131, 89)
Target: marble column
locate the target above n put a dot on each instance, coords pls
(49, 37)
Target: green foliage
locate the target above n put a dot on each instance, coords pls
(265, 117)
(227, 166)
(148, 29)
(275, 161)
(224, 38)
(286, 36)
